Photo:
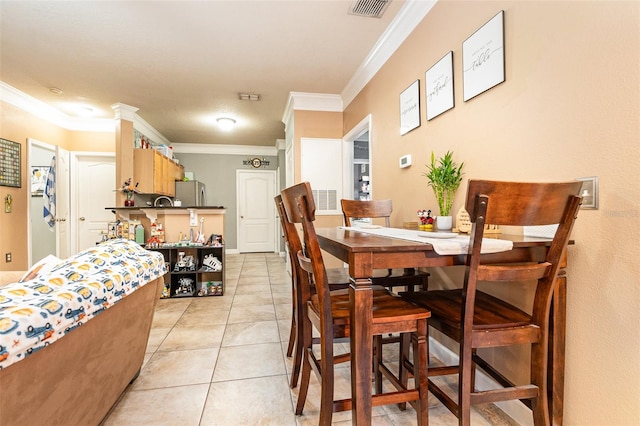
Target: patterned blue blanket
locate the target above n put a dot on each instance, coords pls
(35, 313)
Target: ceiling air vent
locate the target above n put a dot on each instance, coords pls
(369, 8)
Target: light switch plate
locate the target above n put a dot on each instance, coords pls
(193, 218)
(589, 192)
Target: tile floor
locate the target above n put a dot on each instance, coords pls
(222, 361)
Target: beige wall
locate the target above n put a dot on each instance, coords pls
(315, 124)
(569, 108)
(17, 125)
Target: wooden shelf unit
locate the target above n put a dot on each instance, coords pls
(205, 282)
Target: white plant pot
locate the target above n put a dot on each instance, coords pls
(444, 223)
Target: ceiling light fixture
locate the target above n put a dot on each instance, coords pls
(226, 123)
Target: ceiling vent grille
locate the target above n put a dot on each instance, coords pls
(369, 8)
(249, 96)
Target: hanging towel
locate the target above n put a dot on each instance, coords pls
(49, 197)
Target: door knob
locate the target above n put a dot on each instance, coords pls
(82, 219)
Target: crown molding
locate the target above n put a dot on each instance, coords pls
(197, 148)
(311, 102)
(21, 100)
(149, 131)
(124, 111)
(411, 14)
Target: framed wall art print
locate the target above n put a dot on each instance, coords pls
(410, 108)
(483, 58)
(439, 86)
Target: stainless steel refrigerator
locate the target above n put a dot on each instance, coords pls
(191, 193)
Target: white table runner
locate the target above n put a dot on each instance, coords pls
(442, 246)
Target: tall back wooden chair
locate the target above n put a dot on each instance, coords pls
(329, 313)
(477, 320)
(371, 209)
(338, 280)
(382, 209)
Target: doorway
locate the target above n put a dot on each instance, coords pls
(44, 238)
(93, 189)
(358, 166)
(255, 190)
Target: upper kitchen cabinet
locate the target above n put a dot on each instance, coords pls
(154, 173)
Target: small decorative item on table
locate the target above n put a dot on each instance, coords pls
(426, 220)
(463, 221)
(128, 190)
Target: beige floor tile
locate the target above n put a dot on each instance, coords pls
(179, 406)
(156, 337)
(248, 278)
(177, 368)
(253, 299)
(248, 361)
(182, 338)
(208, 304)
(283, 311)
(166, 314)
(252, 288)
(251, 333)
(284, 328)
(281, 298)
(240, 314)
(213, 317)
(268, 397)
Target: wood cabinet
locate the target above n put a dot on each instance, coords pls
(154, 173)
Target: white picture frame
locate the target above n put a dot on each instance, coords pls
(410, 108)
(483, 58)
(439, 86)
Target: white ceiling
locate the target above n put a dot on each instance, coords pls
(183, 63)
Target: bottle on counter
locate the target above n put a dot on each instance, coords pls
(139, 232)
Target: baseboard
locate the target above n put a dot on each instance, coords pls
(514, 409)
(231, 251)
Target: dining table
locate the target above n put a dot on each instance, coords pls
(364, 252)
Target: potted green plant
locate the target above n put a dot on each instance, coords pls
(444, 176)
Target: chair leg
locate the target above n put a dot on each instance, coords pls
(403, 373)
(539, 363)
(301, 322)
(292, 334)
(304, 385)
(297, 362)
(421, 373)
(377, 359)
(326, 384)
(465, 386)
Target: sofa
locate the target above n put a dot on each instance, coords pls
(73, 334)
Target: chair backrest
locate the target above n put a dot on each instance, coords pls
(356, 209)
(300, 207)
(519, 204)
(292, 241)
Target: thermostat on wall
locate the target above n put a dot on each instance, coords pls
(405, 161)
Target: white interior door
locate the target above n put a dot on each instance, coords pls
(256, 210)
(63, 238)
(94, 178)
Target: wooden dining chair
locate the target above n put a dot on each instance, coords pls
(338, 279)
(328, 312)
(476, 319)
(381, 209)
